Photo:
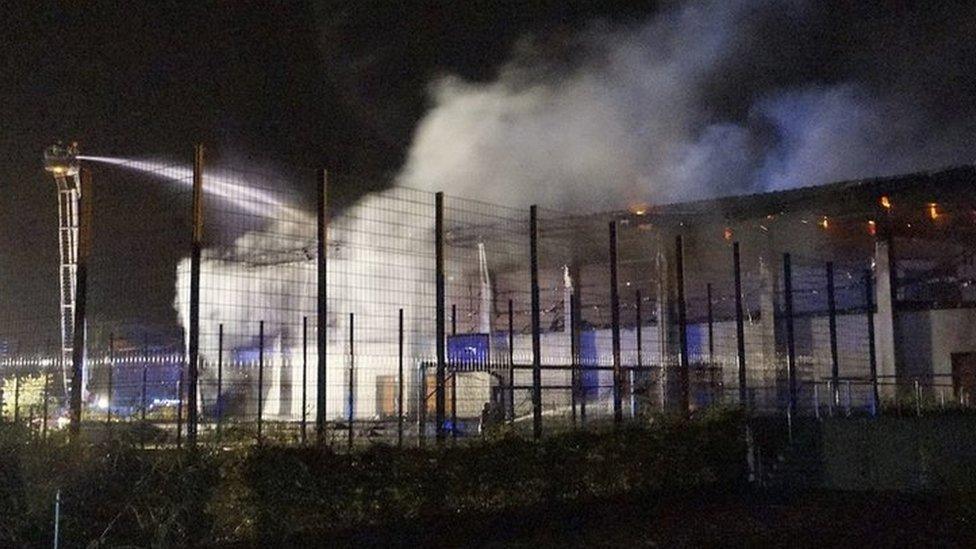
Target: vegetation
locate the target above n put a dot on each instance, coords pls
(113, 493)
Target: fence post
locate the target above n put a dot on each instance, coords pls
(740, 334)
(580, 367)
(17, 394)
(321, 389)
(422, 406)
(872, 354)
(260, 378)
(832, 312)
(220, 378)
(640, 349)
(304, 435)
(711, 327)
(145, 372)
(111, 366)
(439, 403)
(352, 378)
(454, 373)
(685, 366)
(536, 335)
(44, 410)
(615, 327)
(81, 293)
(400, 383)
(511, 362)
(573, 355)
(179, 411)
(790, 343)
(195, 248)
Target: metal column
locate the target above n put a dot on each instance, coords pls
(536, 336)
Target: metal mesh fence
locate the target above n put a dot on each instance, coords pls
(638, 312)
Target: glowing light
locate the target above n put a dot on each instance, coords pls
(639, 208)
(727, 234)
(824, 223)
(933, 209)
(885, 202)
(872, 227)
(103, 403)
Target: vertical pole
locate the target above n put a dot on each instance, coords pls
(684, 365)
(580, 366)
(422, 406)
(639, 321)
(111, 366)
(44, 410)
(454, 372)
(304, 434)
(260, 378)
(322, 308)
(145, 372)
(872, 351)
(711, 326)
(511, 362)
(81, 293)
(832, 323)
(740, 335)
(536, 335)
(17, 394)
(220, 378)
(400, 383)
(439, 404)
(573, 355)
(615, 326)
(194, 346)
(790, 343)
(352, 378)
(179, 412)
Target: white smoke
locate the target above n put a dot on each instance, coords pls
(639, 117)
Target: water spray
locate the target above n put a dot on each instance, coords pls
(246, 198)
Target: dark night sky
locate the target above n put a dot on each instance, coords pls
(344, 84)
(337, 84)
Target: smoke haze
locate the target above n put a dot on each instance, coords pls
(706, 99)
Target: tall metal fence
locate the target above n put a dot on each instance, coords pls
(430, 316)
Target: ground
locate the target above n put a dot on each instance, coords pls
(766, 519)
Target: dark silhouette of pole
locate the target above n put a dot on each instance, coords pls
(195, 248)
(454, 372)
(711, 326)
(790, 343)
(179, 410)
(511, 362)
(145, 376)
(684, 368)
(439, 404)
(832, 323)
(536, 335)
(400, 382)
(352, 378)
(304, 434)
(220, 378)
(260, 379)
(740, 335)
(615, 326)
(111, 366)
(81, 299)
(638, 322)
(872, 350)
(573, 356)
(321, 389)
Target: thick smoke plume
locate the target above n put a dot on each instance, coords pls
(705, 99)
